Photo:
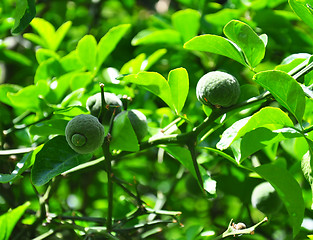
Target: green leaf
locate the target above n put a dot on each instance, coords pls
(187, 23)
(53, 159)
(24, 13)
(165, 36)
(123, 135)
(48, 70)
(70, 62)
(306, 166)
(153, 58)
(29, 97)
(109, 41)
(9, 220)
(285, 89)
(155, 83)
(5, 89)
(304, 9)
(183, 156)
(80, 80)
(243, 36)
(216, 44)
(49, 127)
(46, 31)
(288, 190)
(26, 162)
(87, 52)
(258, 139)
(60, 34)
(178, 81)
(44, 54)
(269, 117)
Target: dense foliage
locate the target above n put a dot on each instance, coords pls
(193, 174)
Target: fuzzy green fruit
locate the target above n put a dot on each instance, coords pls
(84, 133)
(219, 89)
(112, 102)
(265, 198)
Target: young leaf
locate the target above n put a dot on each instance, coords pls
(216, 44)
(60, 33)
(288, 190)
(87, 52)
(109, 41)
(123, 135)
(46, 31)
(155, 83)
(269, 117)
(9, 220)
(54, 158)
(179, 84)
(24, 13)
(187, 23)
(286, 90)
(251, 45)
(304, 9)
(164, 36)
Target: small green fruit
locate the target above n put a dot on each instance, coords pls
(219, 89)
(112, 102)
(84, 133)
(265, 198)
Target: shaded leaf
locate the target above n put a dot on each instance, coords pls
(53, 159)
(288, 190)
(24, 13)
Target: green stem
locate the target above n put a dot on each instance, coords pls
(191, 146)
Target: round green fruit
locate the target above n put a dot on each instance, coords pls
(265, 198)
(112, 102)
(84, 133)
(219, 89)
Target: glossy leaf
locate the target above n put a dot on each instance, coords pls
(48, 70)
(260, 138)
(243, 36)
(24, 13)
(288, 190)
(53, 159)
(123, 135)
(109, 41)
(269, 117)
(49, 127)
(178, 81)
(29, 97)
(306, 166)
(9, 220)
(216, 44)
(5, 89)
(164, 36)
(187, 23)
(87, 52)
(304, 9)
(285, 89)
(153, 82)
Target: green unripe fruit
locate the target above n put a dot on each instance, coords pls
(265, 198)
(219, 89)
(111, 103)
(84, 133)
